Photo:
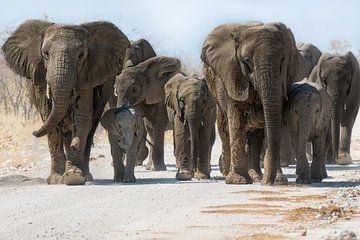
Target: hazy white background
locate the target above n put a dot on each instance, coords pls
(179, 27)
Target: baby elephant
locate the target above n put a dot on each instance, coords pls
(192, 113)
(126, 127)
(308, 114)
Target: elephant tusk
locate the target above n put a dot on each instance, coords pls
(345, 106)
(202, 123)
(47, 91)
(115, 93)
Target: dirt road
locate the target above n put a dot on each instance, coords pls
(159, 207)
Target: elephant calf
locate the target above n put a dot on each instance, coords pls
(126, 127)
(308, 115)
(192, 112)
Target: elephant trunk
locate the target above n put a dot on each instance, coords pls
(268, 75)
(194, 124)
(60, 77)
(336, 113)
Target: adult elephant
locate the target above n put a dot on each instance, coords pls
(339, 75)
(142, 86)
(307, 59)
(249, 68)
(139, 51)
(72, 69)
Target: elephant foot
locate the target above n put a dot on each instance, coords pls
(73, 175)
(255, 176)
(224, 165)
(281, 179)
(55, 178)
(184, 175)
(118, 178)
(234, 178)
(151, 167)
(284, 164)
(199, 175)
(303, 180)
(89, 177)
(344, 159)
(317, 177)
(129, 179)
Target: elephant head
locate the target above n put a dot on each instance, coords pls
(139, 51)
(65, 57)
(145, 82)
(337, 73)
(190, 99)
(255, 56)
(124, 123)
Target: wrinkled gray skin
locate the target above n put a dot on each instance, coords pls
(307, 60)
(142, 86)
(307, 114)
(72, 69)
(192, 114)
(339, 75)
(126, 128)
(139, 51)
(249, 68)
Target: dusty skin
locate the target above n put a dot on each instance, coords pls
(159, 207)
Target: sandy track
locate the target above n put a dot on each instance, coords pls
(159, 207)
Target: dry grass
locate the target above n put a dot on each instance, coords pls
(257, 192)
(246, 205)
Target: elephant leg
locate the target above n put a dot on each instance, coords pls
(255, 142)
(182, 152)
(239, 160)
(317, 165)
(130, 158)
(117, 154)
(75, 169)
(203, 166)
(142, 151)
(156, 160)
(58, 159)
(287, 155)
(347, 123)
(223, 129)
(302, 164)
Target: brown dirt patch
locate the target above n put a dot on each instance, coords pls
(245, 205)
(260, 236)
(292, 198)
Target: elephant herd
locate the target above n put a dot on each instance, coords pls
(265, 93)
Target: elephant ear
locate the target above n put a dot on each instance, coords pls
(158, 71)
(107, 46)
(355, 72)
(219, 53)
(146, 49)
(289, 61)
(171, 92)
(108, 121)
(22, 50)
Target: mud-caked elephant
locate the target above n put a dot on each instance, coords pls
(192, 114)
(72, 69)
(142, 86)
(339, 75)
(307, 115)
(249, 68)
(126, 127)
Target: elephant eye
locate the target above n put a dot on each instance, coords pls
(46, 54)
(81, 55)
(247, 63)
(181, 103)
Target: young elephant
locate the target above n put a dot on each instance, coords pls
(192, 112)
(125, 126)
(307, 115)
